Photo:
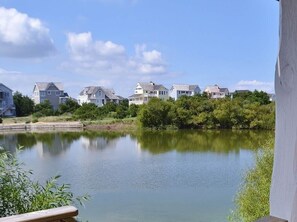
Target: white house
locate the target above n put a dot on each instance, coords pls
(178, 90)
(215, 92)
(51, 91)
(98, 95)
(7, 107)
(145, 91)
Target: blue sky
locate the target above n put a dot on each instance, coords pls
(117, 43)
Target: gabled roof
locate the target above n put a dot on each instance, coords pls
(91, 90)
(1, 84)
(224, 90)
(184, 87)
(41, 86)
(109, 93)
(150, 86)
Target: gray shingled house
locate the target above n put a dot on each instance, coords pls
(51, 91)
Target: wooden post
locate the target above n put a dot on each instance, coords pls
(283, 196)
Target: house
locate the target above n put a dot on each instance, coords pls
(7, 107)
(98, 95)
(178, 90)
(215, 92)
(51, 91)
(145, 91)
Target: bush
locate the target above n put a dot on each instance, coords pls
(19, 194)
(34, 119)
(1, 120)
(252, 199)
(44, 109)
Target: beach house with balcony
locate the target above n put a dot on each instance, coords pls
(178, 90)
(216, 92)
(144, 91)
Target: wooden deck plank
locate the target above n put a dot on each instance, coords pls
(55, 214)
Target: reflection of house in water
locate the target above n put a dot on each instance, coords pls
(53, 147)
(9, 142)
(98, 143)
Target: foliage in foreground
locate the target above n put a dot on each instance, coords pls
(252, 199)
(19, 194)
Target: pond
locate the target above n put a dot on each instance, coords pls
(144, 176)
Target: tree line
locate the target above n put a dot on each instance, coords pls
(248, 110)
(245, 110)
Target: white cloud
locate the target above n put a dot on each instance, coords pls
(22, 36)
(255, 85)
(101, 58)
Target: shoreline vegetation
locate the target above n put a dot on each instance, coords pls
(248, 110)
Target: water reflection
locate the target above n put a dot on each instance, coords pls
(155, 142)
(222, 141)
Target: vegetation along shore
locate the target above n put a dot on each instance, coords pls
(249, 110)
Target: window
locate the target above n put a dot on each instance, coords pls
(103, 102)
(48, 92)
(42, 93)
(58, 93)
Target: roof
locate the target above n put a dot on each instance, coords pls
(109, 93)
(150, 86)
(224, 89)
(185, 87)
(91, 90)
(216, 89)
(136, 96)
(1, 84)
(45, 85)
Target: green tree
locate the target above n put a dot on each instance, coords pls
(88, 111)
(44, 109)
(156, 114)
(70, 106)
(122, 109)
(23, 104)
(133, 110)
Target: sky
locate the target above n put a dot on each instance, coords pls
(117, 43)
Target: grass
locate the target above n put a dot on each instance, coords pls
(29, 119)
(104, 124)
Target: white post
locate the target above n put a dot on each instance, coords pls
(283, 196)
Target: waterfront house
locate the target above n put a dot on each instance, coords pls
(98, 95)
(215, 92)
(178, 90)
(7, 107)
(51, 91)
(145, 91)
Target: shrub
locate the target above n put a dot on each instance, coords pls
(252, 199)
(19, 194)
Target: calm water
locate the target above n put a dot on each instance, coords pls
(146, 176)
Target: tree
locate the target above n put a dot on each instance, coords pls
(156, 114)
(133, 110)
(122, 110)
(44, 109)
(23, 104)
(70, 106)
(88, 111)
